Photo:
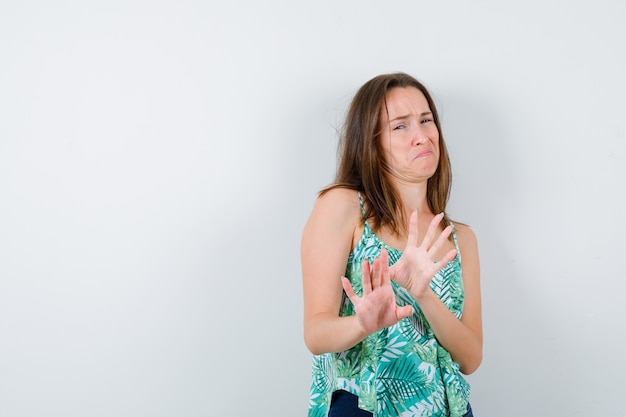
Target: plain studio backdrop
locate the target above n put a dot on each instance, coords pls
(158, 161)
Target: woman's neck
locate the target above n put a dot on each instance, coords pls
(413, 196)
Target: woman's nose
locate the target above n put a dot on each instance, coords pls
(419, 137)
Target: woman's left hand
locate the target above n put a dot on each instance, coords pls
(417, 265)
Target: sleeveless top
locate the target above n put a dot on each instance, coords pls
(400, 370)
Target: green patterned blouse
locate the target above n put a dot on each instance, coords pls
(401, 370)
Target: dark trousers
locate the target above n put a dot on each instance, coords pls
(345, 404)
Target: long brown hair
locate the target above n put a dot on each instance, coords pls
(362, 167)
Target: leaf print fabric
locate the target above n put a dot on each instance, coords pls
(400, 370)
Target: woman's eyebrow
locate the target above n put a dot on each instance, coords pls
(400, 118)
(404, 117)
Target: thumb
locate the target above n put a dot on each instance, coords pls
(347, 287)
(393, 269)
(404, 312)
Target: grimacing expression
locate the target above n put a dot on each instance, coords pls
(409, 138)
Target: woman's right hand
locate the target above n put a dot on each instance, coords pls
(417, 266)
(376, 308)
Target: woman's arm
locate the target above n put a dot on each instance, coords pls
(326, 244)
(462, 338)
(414, 271)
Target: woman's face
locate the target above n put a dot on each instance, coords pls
(409, 138)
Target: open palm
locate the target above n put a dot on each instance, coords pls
(417, 267)
(376, 308)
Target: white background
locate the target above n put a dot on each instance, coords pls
(158, 161)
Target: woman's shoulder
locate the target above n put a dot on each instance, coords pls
(340, 196)
(340, 201)
(465, 236)
(335, 216)
(464, 230)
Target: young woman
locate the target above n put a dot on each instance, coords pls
(392, 308)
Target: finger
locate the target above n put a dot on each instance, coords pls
(376, 272)
(443, 237)
(347, 287)
(366, 281)
(432, 229)
(384, 263)
(413, 233)
(447, 258)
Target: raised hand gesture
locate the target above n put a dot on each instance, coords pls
(417, 265)
(376, 308)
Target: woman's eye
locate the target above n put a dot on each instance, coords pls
(426, 120)
(398, 127)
